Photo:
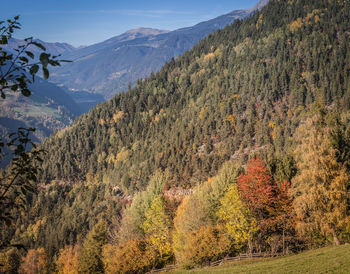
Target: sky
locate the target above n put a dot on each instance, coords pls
(85, 22)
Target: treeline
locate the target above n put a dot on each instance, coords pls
(241, 209)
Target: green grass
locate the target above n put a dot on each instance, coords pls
(323, 260)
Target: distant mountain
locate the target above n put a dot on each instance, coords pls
(52, 48)
(127, 36)
(108, 67)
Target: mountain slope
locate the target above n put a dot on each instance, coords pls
(239, 91)
(108, 67)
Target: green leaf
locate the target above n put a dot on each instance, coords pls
(24, 59)
(44, 59)
(46, 73)
(39, 45)
(34, 69)
(3, 40)
(30, 54)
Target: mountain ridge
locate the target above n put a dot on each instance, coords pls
(108, 67)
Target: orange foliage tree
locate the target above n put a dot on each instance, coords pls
(133, 256)
(258, 191)
(35, 262)
(67, 262)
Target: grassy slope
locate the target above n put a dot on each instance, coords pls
(323, 260)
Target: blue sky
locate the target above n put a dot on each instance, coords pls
(84, 22)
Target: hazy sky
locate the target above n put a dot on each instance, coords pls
(84, 22)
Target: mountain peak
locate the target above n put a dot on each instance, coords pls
(146, 31)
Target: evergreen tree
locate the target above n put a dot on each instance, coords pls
(90, 257)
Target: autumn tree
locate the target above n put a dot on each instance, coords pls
(35, 262)
(319, 188)
(200, 208)
(259, 191)
(132, 256)
(67, 261)
(237, 218)
(206, 244)
(269, 202)
(157, 229)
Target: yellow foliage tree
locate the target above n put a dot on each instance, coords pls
(239, 222)
(319, 188)
(67, 262)
(156, 228)
(200, 209)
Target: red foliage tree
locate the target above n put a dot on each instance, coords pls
(268, 201)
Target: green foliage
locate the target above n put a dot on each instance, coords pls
(20, 177)
(134, 216)
(241, 90)
(90, 256)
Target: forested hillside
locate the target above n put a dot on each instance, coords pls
(242, 90)
(273, 89)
